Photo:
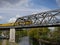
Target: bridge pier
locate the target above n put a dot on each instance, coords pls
(12, 35)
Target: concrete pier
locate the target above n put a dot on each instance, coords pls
(12, 35)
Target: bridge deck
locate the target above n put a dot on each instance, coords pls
(29, 26)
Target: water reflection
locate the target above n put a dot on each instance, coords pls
(23, 41)
(3, 42)
(6, 42)
(12, 44)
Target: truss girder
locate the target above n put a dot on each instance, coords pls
(44, 18)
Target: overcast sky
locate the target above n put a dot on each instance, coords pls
(10, 10)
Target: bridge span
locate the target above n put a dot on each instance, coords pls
(29, 26)
(44, 19)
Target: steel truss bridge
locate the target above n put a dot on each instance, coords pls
(44, 19)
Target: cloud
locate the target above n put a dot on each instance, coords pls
(20, 7)
(13, 19)
(1, 17)
(9, 1)
(17, 6)
(58, 2)
(28, 12)
(17, 16)
(13, 3)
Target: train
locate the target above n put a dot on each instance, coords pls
(17, 23)
(23, 23)
(7, 24)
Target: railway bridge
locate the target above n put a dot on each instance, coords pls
(44, 19)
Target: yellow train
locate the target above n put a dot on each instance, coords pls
(23, 23)
(7, 24)
(17, 23)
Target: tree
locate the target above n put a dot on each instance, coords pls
(56, 34)
(38, 32)
(54, 37)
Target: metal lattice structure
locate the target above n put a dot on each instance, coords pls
(44, 18)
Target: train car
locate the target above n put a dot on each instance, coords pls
(7, 24)
(23, 23)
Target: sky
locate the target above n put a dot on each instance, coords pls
(10, 10)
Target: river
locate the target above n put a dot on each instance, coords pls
(23, 41)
